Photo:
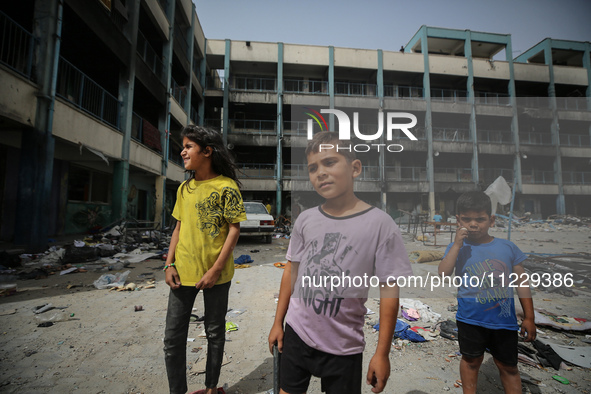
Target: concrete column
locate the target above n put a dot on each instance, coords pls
(331, 86)
(38, 144)
(382, 153)
(126, 88)
(517, 182)
(428, 120)
(191, 53)
(279, 163)
(560, 203)
(472, 101)
(159, 185)
(203, 68)
(226, 112)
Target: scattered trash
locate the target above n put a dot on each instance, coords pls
(561, 379)
(545, 318)
(138, 308)
(424, 256)
(243, 259)
(230, 326)
(111, 280)
(279, 265)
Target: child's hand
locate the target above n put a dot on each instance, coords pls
(528, 330)
(378, 373)
(276, 337)
(208, 280)
(461, 234)
(171, 277)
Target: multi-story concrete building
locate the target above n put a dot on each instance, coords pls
(95, 94)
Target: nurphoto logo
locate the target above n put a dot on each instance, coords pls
(344, 129)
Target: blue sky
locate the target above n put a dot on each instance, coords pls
(388, 24)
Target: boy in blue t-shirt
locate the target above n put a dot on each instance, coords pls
(486, 309)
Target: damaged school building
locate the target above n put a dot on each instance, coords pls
(95, 93)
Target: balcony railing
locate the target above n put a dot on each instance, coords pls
(490, 174)
(451, 134)
(254, 84)
(404, 92)
(295, 171)
(257, 170)
(194, 115)
(495, 136)
(533, 102)
(137, 127)
(16, 46)
(572, 103)
(532, 138)
(394, 173)
(369, 173)
(538, 176)
(179, 93)
(253, 126)
(355, 89)
(309, 87)
(449, 95)
(150, 56)
(575, 140)
(486, 98)
(452, 174)
(576, 177)
(77, 88)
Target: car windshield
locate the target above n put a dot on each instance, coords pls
(255, 208)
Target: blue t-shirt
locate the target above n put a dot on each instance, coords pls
(437, 218)
(487, 299)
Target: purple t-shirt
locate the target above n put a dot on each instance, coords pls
(364, 245)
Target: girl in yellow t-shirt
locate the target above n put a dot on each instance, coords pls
(208, 211)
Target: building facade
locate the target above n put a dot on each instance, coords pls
(96, 93)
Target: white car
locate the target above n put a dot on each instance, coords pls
(258, 221)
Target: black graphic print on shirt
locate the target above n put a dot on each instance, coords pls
(216, 210)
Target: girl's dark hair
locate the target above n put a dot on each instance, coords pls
(222, 162)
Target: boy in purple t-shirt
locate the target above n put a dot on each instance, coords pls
(337, 251)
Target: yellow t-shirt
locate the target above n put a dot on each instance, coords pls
(205, 209)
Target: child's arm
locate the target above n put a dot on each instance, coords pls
(379, 366)
(171, 276)
(211, 276)
(528, 326)
(276, 334)
(448, 264)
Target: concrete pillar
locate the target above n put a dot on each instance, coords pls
(428, 120)
(38, 144)
(226, 111)
(126, 87)
(203, 68)
(159, 185)
(279, 163)
(517, 182)
(472, 101)
(331, 86)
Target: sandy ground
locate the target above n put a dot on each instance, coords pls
(107, 347)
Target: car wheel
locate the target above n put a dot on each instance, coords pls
(268, 238)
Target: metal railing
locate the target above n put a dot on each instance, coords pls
(194, 116)
(495, 136)
(301, 86)
(298, 127)
(179, 93)
(575, 140)
(77, 88)
(254, 84)
(538, 176)
(295, 171)
(253, 126)
(491, 174)
(394, 173)
(449, 95)
(16, 46)
(214, 82)
(137, 126)
(532, 138)
(257, 170)
(487, 98)
(451, 134)
(576, 177)
(150, 56)
(452, 174)
(355, 89)
(572, 103)
(534, 102)
(404, 92)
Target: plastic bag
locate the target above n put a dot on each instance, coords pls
(499, 193)
(111, 280)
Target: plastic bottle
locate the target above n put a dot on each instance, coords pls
(53, 316)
